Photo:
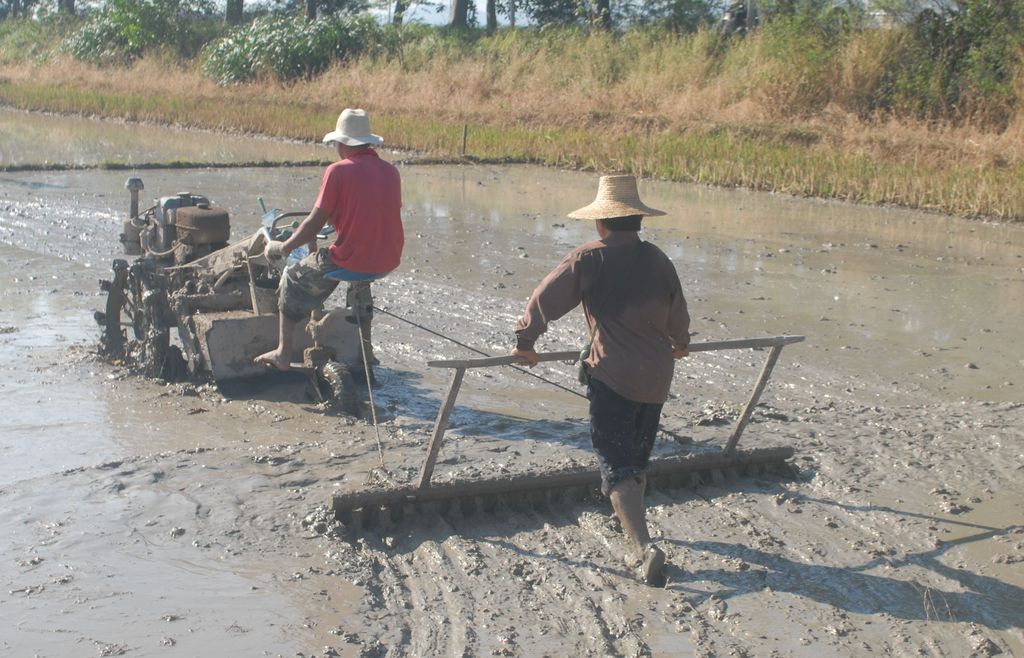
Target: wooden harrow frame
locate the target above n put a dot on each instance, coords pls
(361, 507)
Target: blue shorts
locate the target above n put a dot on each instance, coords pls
(341, 274)
(622, 433)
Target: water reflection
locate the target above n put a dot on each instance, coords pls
(32, 138)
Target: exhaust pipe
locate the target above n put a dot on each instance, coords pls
(130, 237)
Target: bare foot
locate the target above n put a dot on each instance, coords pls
(653, 568)
(273, 359)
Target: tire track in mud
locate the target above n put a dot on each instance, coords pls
(471, 588)
(569, 569)
(448, 569)
(452, 632)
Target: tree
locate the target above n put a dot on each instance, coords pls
(683, 15)
(314, 8)
(604, 14)
(400, 8)
(233, 12)
(552, 12)
(492, 16)
(66, 7)
(460, 15)
(16, 8)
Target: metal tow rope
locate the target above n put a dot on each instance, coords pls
(369, 389)
(481, 353)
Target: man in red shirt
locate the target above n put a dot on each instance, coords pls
(361, 197)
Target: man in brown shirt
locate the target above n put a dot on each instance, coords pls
(636, 315)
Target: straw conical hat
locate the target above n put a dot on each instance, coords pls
(617, 196)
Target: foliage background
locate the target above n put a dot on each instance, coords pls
(820, 99)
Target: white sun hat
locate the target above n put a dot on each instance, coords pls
(353, 129)
(617, 196)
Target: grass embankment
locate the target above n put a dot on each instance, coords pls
(674, 109)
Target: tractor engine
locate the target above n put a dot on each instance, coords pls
(177, 229)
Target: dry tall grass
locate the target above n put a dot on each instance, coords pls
(672, 110)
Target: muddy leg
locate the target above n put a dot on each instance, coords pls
(615, 518)
(628, 502)
(360, 298)
(281, 357)
(627, 499)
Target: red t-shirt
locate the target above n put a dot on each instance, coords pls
(363, 196)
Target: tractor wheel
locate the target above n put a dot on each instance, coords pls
(112, 340)
(136, 300)
(342, 386)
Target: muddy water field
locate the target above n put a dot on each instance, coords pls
(142, 518)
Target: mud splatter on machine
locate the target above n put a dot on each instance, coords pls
(219, 296)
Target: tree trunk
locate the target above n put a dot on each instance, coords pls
(311, 10)
(400, 7)
(66, 7)
(512, 13)
(492, 16)
(460, 14)
(233, 12)
(604, 14)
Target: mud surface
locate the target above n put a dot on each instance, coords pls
(179, 520)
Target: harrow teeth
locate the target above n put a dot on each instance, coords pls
(458, 500)
(453, 513)
(468, 506)
(671, 481)
(489, 504)
(357, 520)
(384, 517)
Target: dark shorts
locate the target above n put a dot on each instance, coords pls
(622, 433)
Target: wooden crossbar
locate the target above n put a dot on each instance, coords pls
(460, 366)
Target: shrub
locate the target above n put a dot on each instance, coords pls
(26, 39)
(125, 29)
(796, 65)
(287, 48)
(958, 65)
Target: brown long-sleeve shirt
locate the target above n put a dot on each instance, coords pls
(634, 307)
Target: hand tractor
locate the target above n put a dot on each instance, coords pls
(221, 298)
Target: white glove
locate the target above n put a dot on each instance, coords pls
(274, 251)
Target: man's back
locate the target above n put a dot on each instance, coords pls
(636, 310)
(639, 308)
(363, 195)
